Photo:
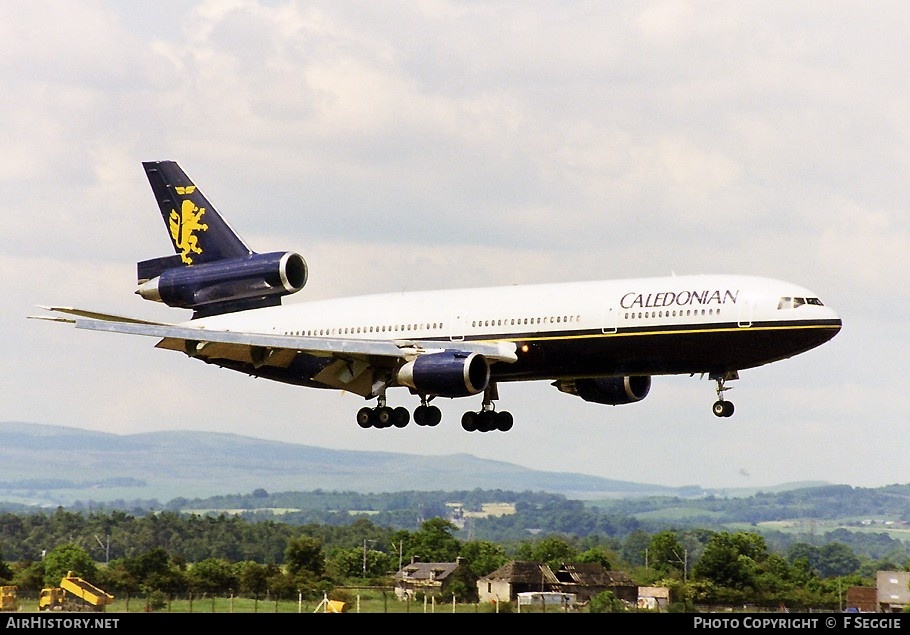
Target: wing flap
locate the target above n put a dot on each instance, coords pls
(258, 356)
(350, 375)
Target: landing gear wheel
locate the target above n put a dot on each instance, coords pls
(400, 417)
(722, 408)
(365, 417)
(486, 421)
(425, 415)
(384, 416)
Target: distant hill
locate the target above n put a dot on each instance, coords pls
(51, 465)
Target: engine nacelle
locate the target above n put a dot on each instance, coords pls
(256, 280)
(446, 374)
(612, 391)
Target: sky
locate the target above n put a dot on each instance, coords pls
(422, 145)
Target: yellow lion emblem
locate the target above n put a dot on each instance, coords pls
(183, 226)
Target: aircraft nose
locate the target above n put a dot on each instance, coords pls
(834, 321)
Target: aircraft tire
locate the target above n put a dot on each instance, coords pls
(384, 417)
(400, 417)
(469, 421)
(504, 421)
(722, 408)
(365, 417)
(486, 421)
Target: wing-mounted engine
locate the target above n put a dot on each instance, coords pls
(446, 374)
(612, 391)
(222, 286)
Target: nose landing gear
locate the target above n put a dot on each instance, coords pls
(722, 407)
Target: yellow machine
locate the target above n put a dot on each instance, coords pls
(74, 594)
(8, 598)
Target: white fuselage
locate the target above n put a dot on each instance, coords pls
(579, 317)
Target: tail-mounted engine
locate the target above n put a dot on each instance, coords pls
(222, 286)
(612, 391)
(446, 374)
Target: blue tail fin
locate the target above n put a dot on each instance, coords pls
(196, 229)
(213, 271)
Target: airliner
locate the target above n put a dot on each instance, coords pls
(601, 341)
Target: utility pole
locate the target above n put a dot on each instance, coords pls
(684, 561)
(106, 547)
(365, 541)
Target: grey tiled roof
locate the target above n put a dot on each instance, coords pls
(426, 571)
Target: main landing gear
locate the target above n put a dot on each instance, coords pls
(485, 420)
(427, 415)
(722, 407)
(383, 416)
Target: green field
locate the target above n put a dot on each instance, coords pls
(369, 602)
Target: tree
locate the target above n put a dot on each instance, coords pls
(552, 550)
(304, 554)
(600, 555)
(666, 553)
(65, 558)
(836, 559)
(731, 560)
(483, 557)
(350, 563)
(29, 577)
(154, 571)
(252, 578)
(213, 575)
(119, 579)
(463, 585)
(830, 560)
(635, 546)
(606, 602)
(6, 573)
(434, 542)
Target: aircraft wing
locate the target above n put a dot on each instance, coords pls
(352, 356)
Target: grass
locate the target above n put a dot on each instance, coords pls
(366, 603)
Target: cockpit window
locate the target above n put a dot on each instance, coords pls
(792, 303)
